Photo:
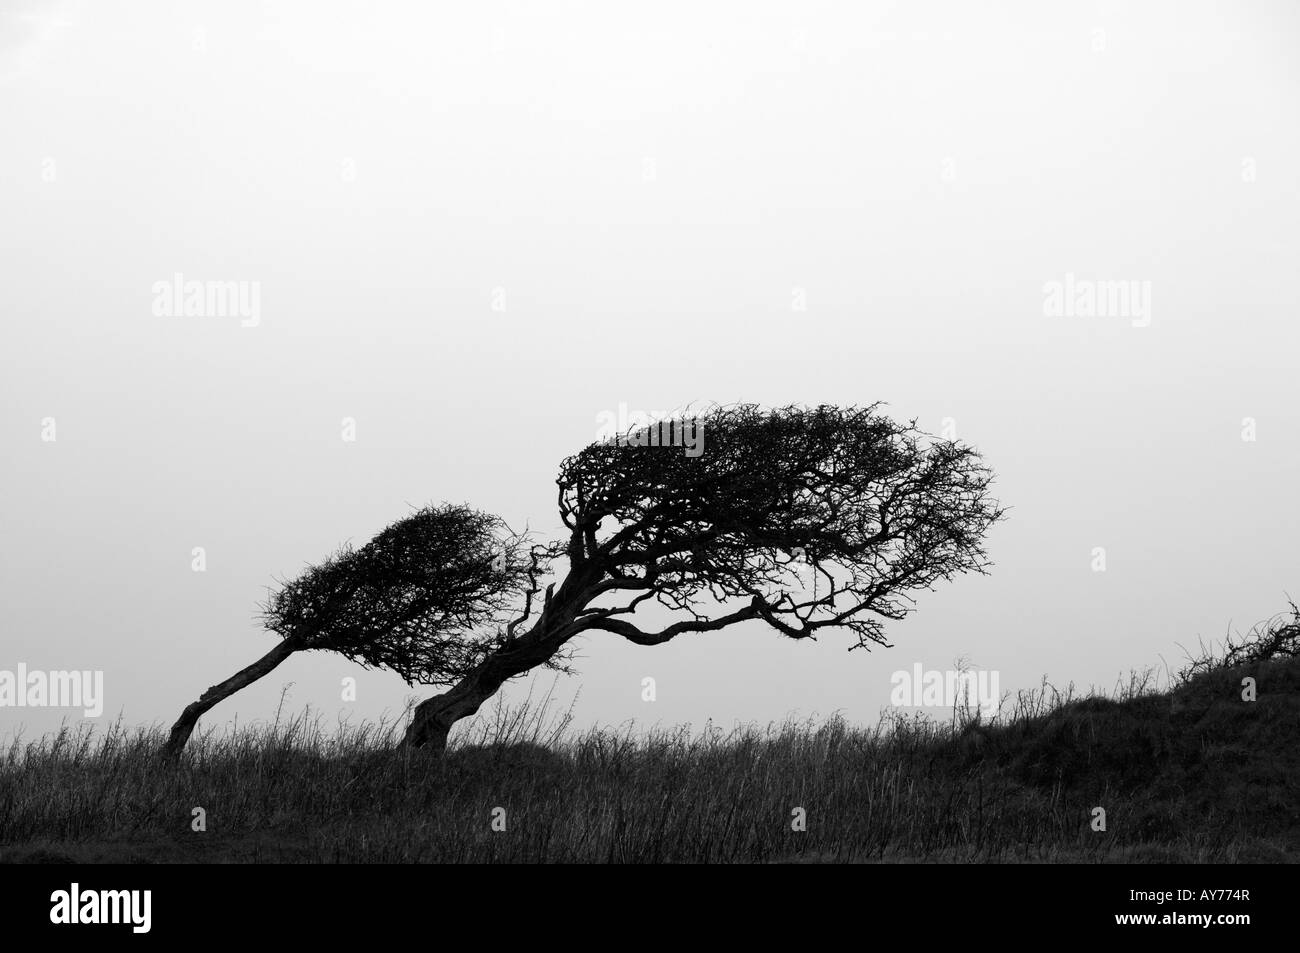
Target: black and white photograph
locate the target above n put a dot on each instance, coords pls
(442, 439)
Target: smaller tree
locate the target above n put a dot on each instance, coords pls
(429, 598)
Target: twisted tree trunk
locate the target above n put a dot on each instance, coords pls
(433, 718)
(184, 726)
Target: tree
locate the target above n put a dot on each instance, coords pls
(869, 510)
(430, 598)
(802, 519)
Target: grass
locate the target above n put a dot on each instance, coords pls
(1189, 772)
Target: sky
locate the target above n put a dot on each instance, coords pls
(465, 232)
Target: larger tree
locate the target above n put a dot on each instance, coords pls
(803, 519)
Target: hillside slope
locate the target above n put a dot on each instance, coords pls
(1191, 774)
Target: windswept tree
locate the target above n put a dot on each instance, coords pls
(431, 598)
(803, 519)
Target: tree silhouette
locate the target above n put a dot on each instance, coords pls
(430, 598)
(867, 509)
(800, 518)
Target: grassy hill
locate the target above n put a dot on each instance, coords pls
(1188, 773)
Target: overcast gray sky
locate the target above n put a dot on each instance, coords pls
(476, 227)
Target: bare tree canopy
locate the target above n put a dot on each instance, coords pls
(429, 597)
(801, 518)
(865, 509)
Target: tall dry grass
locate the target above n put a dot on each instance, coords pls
(1185, 772)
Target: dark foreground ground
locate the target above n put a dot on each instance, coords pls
(1189, 774)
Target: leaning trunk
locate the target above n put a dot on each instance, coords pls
(184, 726)
(433, 718)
